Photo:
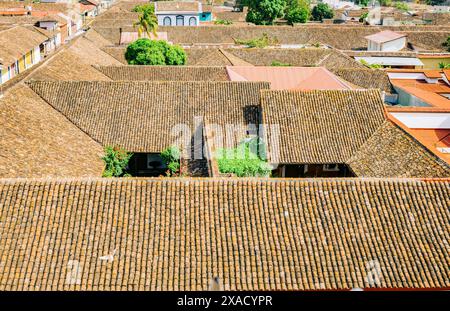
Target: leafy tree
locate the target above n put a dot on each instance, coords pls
(243, 161)
(147, 23)
(297, 13)
(385, 2)
(154, 52)
(446, 44)
(148, 7)
(321, 11)
(172, 156)
(362, 3)
(264, 12)
(116, 160)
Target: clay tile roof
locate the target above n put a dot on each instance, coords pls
(140, 116)
(392, 152)
(37, 141)
(366, 78)
(322, 126)
(15, 42)
(179, 234)
(164, 73)
(177, 6)
(385, 36)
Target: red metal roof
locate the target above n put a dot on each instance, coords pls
(289, 78)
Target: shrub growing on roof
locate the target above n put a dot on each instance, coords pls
(154, 52)
(116, 160)
(321, 11)
(264, 12)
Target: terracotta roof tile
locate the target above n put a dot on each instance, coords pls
(164, 73)
(392, 152)
(139, 116)
(37, 141)
(322, 126)
(178, 234)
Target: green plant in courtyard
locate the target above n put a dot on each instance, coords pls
(116, 160)
(244, 160)
(171, 156)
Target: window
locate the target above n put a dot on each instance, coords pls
(180, 20)
(331, 168)
(167, 21)
(192, 21)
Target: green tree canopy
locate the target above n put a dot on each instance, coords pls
(297, 11)
(321, 11)
(154, 52)
(264, 12)
(147, 21)
(363, 3)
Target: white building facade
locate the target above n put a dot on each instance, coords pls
(173, 13)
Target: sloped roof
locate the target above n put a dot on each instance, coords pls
(392, 152)
(288, 78)
(179, 234)
(37, 141)
(385, 36)
(366, 77)
(15, 42)
(322, 126)
(139, 116)
(164, 73)
(328, 58)
(75, 63)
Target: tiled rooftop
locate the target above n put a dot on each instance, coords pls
(178, 234)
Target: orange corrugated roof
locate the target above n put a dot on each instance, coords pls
(432, 74)
(289, 78)
(432, 139)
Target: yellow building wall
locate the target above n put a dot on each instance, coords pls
(433, 63)
(21, 64)
(28, 59)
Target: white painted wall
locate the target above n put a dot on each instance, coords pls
(173, 18)
(415, 120)
(36, 55)
(406, 75)
(394, 45)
